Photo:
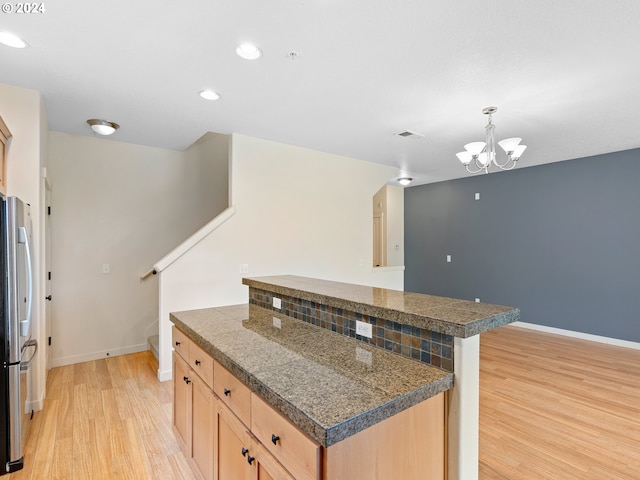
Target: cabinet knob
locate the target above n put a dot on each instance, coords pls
(197, 362)
(177, 344)
(250, 459)
(226, 392)
(186, 379)
(244, 452)
(275, 439)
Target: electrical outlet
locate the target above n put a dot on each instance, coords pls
(277, 303)
(448, 258)
(244, 268)
(364, 329)
(477, 300)
(477, 196)
(106, 268)
(277, 322)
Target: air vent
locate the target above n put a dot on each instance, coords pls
(409, 134)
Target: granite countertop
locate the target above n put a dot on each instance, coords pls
(329, 385)
(451, 316)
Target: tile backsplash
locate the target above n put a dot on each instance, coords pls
(419, 344)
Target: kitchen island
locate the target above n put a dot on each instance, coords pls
(356, 375)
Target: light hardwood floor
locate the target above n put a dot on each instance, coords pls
(551, 408)
(105, 419)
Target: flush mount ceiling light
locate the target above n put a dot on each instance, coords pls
(102, 127)
(483, 154)
(404, 181)
(209, 95)
(248, 51)
(11, 40)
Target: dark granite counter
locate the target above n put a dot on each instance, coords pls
(450, 316)
(329, 385)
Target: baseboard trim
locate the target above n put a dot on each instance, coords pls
(60, 362)
(165, 376)
(36, 405)
(583, 336)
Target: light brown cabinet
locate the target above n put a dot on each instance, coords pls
(284, 441)
(203, 428)
(182, 403)
(234, 459)
(212, 420)
(194, 404)
(230, 433)
(5, 135)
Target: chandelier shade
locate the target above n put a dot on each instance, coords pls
(480, 156)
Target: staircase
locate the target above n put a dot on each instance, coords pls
(154, 342)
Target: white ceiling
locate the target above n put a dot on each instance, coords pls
(565, 75)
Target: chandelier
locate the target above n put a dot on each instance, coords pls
(479, 156)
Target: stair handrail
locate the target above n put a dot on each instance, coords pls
(189, 243)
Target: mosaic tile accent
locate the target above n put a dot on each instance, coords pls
(412, 342)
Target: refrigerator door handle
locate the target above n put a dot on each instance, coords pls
(25, 364)
(23, 237)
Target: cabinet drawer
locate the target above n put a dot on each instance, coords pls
(201, 363)
(180, 343)
(298, 453)
(233, 393)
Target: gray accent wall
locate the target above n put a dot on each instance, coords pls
(560, 241)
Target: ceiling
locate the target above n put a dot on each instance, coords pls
(563, 74)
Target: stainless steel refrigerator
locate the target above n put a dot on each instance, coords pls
(17, 349)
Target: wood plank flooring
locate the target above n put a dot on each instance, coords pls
(550, 408)
(105, 419)
(553, 407)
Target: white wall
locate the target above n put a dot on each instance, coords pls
(23, 112)
(298, 211)
(123, 205)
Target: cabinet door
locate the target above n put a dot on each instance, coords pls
(5, 135)
(203, 427)
(268, 467)
(182, 397)
(263, 473)
(234, 459)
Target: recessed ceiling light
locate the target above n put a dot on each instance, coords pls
(102, 127)
(209, 95)
(249, 51)
(11, 40)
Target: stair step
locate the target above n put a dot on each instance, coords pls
(154, 342)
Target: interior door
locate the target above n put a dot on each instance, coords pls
(378, 240)
(48, 298)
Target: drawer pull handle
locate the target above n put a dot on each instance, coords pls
(197, 362)
(244, 452)
(226, 392)
(275, 439)
(186, 379)
(177, 344)
(250, 459)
